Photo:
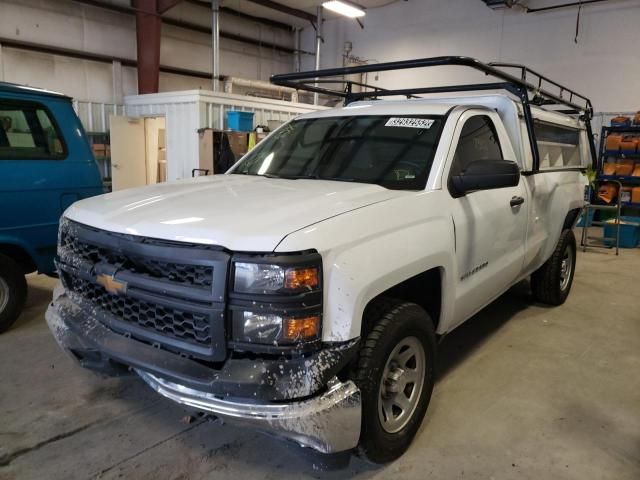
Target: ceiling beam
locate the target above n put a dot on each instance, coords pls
(194, 27)
(164, 5)
(564, 5)
(246, 16)
(284, 9)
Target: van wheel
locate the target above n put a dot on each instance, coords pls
(395, 374)
(13, 292)
(551, 283)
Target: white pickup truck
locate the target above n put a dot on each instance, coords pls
(303, 293)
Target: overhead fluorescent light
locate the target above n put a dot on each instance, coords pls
(343, 8)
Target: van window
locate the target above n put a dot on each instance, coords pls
(27, 132)
(478, 141)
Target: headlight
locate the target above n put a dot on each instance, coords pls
(275, 329)
(276, 301)
(264, 278)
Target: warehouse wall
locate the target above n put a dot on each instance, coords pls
(71, 25)
(603, 64)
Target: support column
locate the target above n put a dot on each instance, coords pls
(296, 46)
(116, 79)
(215, 44)
(318, 45)
(148, 25)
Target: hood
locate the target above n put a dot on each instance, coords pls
(239, 212)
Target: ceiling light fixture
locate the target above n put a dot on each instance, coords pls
(344, 8)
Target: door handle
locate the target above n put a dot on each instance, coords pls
(515, 201)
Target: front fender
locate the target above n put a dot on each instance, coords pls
(370, 250)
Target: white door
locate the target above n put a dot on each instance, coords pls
(490, 225)
(128, 159)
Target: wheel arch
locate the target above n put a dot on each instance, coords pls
(571, 219)
(19, 254)
(425, 289)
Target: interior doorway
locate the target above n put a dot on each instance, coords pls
(138, 151)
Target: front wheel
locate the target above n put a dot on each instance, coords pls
(395, 374)
(551, 283)
(13, 292)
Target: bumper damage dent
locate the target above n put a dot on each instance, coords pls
(328, 421)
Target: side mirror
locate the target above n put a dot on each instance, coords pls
(486, 175)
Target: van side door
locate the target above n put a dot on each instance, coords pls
(42, 171)
(490, 225)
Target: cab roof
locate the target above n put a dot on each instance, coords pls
(15, 88)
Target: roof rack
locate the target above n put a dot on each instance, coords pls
(530, 87)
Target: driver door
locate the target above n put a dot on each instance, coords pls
(490, 225)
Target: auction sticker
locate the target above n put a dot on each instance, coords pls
(423, 123)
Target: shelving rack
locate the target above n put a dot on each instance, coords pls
(605, 154)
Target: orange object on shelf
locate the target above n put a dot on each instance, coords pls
(624, 167)
(620, 120)
(609, 168)
(635, 195)
(608, 192)
(636, 170)
(613, 141)
(629, 143)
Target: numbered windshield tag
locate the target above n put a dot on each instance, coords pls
(422, 123)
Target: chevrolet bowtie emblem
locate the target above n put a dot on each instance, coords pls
(111, 285)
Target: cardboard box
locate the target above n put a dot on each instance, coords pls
(635, 195)
(99, 149)
(205, 149)
(239, 143)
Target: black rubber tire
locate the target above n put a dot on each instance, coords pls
(12, 275)
(545, 282)
(390, 322)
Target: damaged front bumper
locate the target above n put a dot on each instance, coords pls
(328, 420)
(328, 423)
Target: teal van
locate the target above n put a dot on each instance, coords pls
(46, 164)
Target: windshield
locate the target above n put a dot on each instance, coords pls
(395, 152)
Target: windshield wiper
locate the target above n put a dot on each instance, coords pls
(339, 179)
(286, 177)
(311, 177)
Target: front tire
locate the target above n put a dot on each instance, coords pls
(395, 374)
(551, 283)
(13, 292)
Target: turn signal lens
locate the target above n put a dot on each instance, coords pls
(301, 278)
(301, 329)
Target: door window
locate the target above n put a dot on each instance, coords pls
(27, 131)
(478, 141)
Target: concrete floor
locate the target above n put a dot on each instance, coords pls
(524, 391)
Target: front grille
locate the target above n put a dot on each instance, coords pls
(173, 294)
(194, 275)
(188, 326)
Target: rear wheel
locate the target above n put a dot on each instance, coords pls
(395, 374)
(13, 292)
(552, 282)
